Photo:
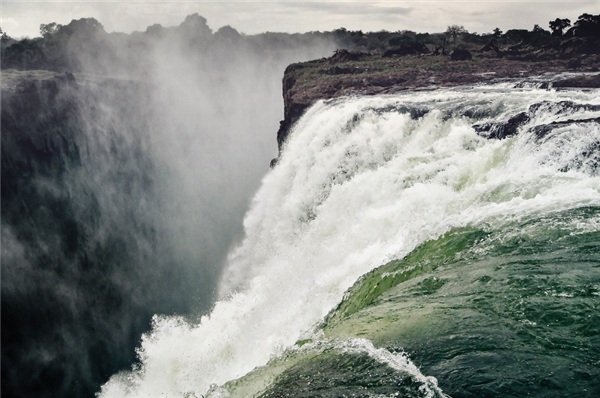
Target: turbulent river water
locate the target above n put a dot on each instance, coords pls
(425, 244)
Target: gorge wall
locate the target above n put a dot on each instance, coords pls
(76, 236)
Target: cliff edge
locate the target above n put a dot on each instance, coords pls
(352, 73)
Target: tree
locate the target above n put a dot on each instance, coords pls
(455, 31)
(497, 33)
(228, 34)
(156, 30)
(540, 37)
(4, 36)
(558, 25)
(587, 25)
(49, 29)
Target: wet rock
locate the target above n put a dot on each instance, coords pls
(561, 107)
(588, 157)
(502, 130)
(543, 85)
(543, 131)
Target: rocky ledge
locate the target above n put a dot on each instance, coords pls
(350, 73)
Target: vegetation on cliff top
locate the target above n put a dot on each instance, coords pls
(84, 42)
(424, 60)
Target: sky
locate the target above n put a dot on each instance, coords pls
(23, 18)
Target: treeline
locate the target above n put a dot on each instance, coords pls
(85, 45)
(586, 26)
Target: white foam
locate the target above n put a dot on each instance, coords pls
(359, 184)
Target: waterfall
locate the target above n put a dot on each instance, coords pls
(363, 181)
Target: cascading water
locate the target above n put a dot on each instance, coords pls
(364, 181)
(124, 186)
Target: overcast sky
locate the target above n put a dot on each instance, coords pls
(23, 18)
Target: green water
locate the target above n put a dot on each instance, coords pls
(512, 311)
(334, 374)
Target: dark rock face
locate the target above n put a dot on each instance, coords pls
(293, 113)
(573, 131)
(588, 157)
(511, 127)
(540, 132)
(50, 252)
(502, 130)
(461, 55)
(562, 107)
(83, 268)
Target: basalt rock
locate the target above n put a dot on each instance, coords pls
(561, 107)
(502, 130)
(542, 131)
(510, 128)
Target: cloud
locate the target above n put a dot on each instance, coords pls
(253, 17)
(360, 9)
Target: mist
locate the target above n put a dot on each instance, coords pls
(123, 191)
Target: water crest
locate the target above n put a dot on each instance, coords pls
(489, 245)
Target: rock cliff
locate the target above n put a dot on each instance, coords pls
(78, 285)
(348, 73)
